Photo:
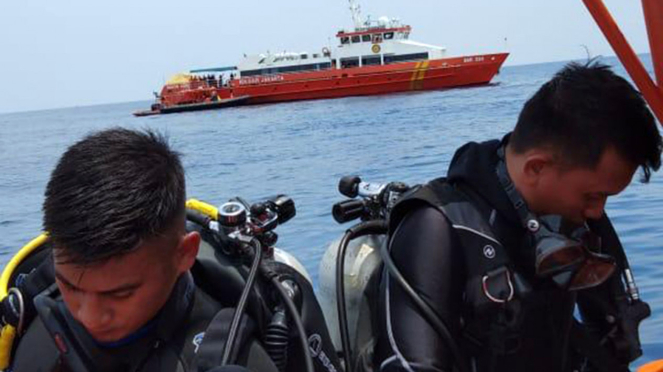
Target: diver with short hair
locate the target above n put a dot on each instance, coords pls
(515, 238)
(125, 298)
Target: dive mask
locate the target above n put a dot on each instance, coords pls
(569, 256)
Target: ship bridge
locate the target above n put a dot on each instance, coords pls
(383, 41)
(380, 42)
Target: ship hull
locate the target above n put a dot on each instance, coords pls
(425, 75)
(335, 83)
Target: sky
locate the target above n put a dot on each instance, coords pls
(79, 52)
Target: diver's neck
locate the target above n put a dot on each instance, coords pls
(515, 164)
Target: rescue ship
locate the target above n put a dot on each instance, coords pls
(374, 57)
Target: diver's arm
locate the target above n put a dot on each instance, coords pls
(428, 255)
(595, 304)
(606, 310)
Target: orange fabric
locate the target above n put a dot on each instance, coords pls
(656, 366)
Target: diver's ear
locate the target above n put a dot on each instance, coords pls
(535, 167)
(187, 251)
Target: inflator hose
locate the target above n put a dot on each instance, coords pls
(241, 305)
(426, 310)
(294, 313)
(267, 273)
(364, 228)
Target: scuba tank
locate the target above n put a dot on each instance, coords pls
(350, 267)
(363, 249)
(361, 257)
(237, 265)
(362, 260)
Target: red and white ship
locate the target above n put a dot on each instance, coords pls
(375, 57)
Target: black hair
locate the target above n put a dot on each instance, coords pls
(585, 109)
(111, 191)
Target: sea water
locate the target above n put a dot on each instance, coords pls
(302, 149)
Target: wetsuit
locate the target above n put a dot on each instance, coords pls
(532, 336)
(168, 343)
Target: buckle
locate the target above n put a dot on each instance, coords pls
(496, 284)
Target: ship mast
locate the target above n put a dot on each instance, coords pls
(355, 9)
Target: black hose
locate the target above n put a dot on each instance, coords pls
(426, 310)
(276, 339)
(241, 305)
(364, 228)
(294, 313)
(340, 301)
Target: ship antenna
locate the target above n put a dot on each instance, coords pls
(355, 9)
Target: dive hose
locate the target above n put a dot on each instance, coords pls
(276, 339)
(202, 214)
(364, 228)
(241, 305)
(381, 227)
(426, 310)
(292, 309)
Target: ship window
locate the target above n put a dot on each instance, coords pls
(355, 39)
(251, 72)
(404, 58)
(388, 35)
(345, 40)
(349, 62)
(288, 69)
(377, 38)
(303, 56)
(365, 38)
(370, 60)
(316, 55)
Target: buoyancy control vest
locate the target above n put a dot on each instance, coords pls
(502, 301)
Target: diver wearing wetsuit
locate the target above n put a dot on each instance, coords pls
(170, 342)
(579, 139)
(116, 290)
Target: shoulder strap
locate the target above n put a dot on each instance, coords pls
(485, 252)
(210, 352)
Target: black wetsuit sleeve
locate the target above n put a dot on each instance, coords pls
(428, 254)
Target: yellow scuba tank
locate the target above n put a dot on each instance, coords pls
(8, 333)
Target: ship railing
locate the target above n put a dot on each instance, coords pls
(202, 84)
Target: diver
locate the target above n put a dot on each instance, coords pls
(124, 297)
(516, 238)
